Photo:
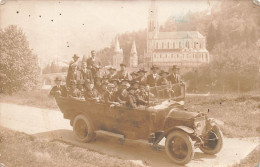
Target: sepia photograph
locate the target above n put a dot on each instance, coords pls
(130, 83)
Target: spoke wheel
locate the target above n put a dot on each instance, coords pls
(83, 129)
(179, 147)
(213, 141)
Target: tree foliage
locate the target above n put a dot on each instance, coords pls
(18, 65)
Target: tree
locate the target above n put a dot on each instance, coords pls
(18, 65)
(211, 37)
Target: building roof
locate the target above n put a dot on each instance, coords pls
(179, 35)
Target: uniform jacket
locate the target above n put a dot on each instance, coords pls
(131, 101)
(173, 79)
(163, 81)
(73, 76)
(151, 80)
(86, 74)
(122, 75)
(91, 62)
(142, 80)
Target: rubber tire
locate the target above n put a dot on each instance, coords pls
(91, 134)
(188, 141)
(219, 144)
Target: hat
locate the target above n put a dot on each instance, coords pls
(115, 80)
(142, 70)
(163, 72)
(73, 82)
(75, 56)
(58, 78)
(122, 64)
(111, 68)
(175, 67)
(80, 82)
(92, 51)
(133, 73)
(154, 67)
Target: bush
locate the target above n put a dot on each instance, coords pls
(19, 68)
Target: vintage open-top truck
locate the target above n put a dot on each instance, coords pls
(184, 130)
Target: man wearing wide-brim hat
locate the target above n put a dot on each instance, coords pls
(58, 89)
(174, 77)
(122, 74)
(112, 73)
(142, 78)
(74, 61)
(163, 80)
(153, 78)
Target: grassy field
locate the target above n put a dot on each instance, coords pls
(21, 150)
(37, 98)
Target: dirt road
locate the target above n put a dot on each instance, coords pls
(45, 124)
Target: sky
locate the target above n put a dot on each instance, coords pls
(62, 28)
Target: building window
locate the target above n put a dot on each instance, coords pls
(162, 45)
(173, 45)
(154, 55)
(168, 45)
(160, 56)
(156, 45)
(166, 56)
(187, 44)
(177, 56)
(179, 44)
(172, 55)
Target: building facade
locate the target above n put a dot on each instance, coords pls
(117, 57)
(133, 56)
(182, 48)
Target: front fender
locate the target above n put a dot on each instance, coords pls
(183, 128)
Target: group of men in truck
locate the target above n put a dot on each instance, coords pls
(85, 81)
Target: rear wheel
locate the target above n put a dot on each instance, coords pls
(83, 129)
(179, 147)
(213, 141)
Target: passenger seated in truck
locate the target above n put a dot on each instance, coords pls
(142, 96)
(131, 101)
(58, 89)
(91, 94)
(121, 94)
(109, 96)
(74, 92)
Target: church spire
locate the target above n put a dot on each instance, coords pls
(117, 48)
(133, 49)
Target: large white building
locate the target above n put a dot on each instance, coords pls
(182, 48)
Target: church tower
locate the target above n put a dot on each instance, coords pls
(117, 57)
(133, 56)
(152, 32)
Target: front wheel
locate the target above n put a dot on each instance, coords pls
(83, 129)
(179, 147)
(213, 142)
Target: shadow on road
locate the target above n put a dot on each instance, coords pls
(129, 150)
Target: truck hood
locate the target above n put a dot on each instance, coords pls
(181, 114)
